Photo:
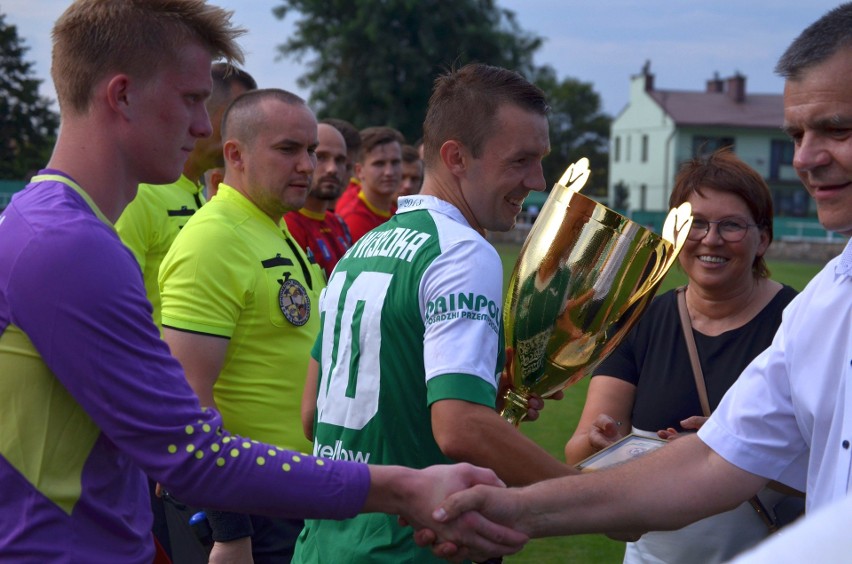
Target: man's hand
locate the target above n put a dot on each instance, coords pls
(416, 493)
(232, 552)
(536, 403)
(498, 505)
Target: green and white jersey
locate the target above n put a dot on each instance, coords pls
(411, 316)
(150, 223)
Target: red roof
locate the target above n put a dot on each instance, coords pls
(718, 108)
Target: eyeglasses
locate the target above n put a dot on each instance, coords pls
(730, 230)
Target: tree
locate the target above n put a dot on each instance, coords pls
(577, 129)
(375, 61)
(27, 124)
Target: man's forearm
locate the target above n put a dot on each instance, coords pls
(672, 487)
(476, 434)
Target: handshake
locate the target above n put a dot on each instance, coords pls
(435, 501)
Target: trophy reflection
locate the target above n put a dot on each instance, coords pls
(583, 278)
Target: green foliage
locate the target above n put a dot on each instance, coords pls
(27, 124)
(375, 61)
(578, 129)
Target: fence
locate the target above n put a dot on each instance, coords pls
(7, 188)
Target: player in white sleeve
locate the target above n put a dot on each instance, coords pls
(411, 347)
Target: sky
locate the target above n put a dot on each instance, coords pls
(602, 42)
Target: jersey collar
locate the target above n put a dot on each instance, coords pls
(58, 176)
(416, 202)
(844, 266)
(231, 194)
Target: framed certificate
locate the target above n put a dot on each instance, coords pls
(631, 446)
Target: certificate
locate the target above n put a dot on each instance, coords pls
(631, 446)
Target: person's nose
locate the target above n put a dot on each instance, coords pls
(307, 164)
(326, 167)
(712, 237)
(810, 153)
(201, 126)
(534, 180)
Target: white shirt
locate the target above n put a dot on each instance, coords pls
(820, 537)
(789, 415)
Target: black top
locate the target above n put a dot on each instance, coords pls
(655, 359)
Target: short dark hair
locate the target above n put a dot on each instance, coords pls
(372, 137)
(410, 154)
(817, 43)
(464, 105)
(723, 171)
(225, 76)
(244, 116)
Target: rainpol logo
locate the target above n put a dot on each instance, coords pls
(464, 306)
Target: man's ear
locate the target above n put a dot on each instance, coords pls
(356, 169)
(120, 94)
(234, 154)
(455, 157)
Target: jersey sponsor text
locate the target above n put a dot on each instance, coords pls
(464, 305)
(337, 452)
(399, 243)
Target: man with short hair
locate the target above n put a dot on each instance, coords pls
(237, 317)
(788, 417)
(353, 152)
(352, 137)
(380, 170)
(316, 228)
(90, 398)
(411, 347)
(150, 223)
(156, 215)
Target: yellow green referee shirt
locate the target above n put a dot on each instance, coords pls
(152, 221)
(234, 273)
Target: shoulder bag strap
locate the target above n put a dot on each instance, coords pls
(686, 325)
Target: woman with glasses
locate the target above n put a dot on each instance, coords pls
(647, 386)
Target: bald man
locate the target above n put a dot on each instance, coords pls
(242, 320)
(314, 226)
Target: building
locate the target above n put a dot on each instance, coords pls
(659, 129)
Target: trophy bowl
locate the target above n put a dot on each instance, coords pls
(584, 276)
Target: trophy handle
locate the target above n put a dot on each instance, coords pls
(675, 230)
(576, 175)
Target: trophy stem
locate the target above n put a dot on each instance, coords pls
(515, 407)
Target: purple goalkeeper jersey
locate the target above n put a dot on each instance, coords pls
(91, 401)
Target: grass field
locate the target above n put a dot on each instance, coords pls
(559, 419)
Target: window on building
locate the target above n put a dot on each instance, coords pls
(781, 160)
(627, 155)
(643, 196)
(617, 149)
(703, 145)
(644, 148)
(792, 200)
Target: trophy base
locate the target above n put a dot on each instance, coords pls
(515, 407)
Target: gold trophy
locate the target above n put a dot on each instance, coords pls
(583, 278)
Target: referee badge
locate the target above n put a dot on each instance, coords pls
(294, 302)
